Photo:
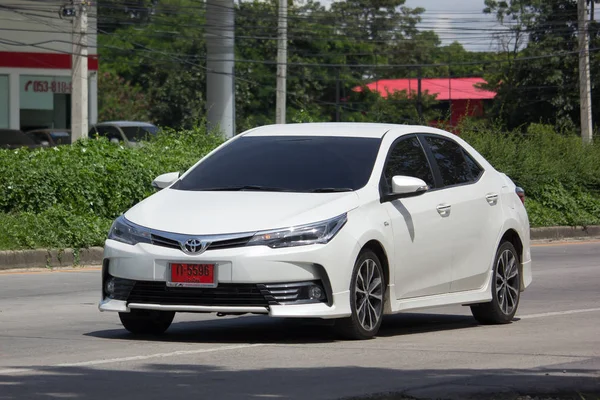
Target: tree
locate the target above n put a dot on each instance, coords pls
(119, 100)
(538, 82)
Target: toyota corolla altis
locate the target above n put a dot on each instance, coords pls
(341, 221)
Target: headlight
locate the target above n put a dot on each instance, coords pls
(127, 232)
(317, 233)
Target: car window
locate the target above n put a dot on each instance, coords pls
(288, 163)
(408, 158)
(137, 133)
(475, 168)
(61, 137)
(109, 132)
(38, 137)
(451, 161)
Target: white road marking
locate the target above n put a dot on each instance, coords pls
(158, 355)
(555, 313)
(132, 358)
(223, 348)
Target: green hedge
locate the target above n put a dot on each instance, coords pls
(68, 196)
(560, 175)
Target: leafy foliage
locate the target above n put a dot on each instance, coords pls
(119, 100)
(330, 51)
(539, 80)
(558, 173)
(71, 189)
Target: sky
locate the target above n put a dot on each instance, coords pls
(449, 18)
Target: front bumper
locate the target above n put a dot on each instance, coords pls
(253, 279)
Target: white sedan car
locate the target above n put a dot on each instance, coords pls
(340, 221)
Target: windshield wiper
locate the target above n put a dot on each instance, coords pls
(330, 190)
(257, 188)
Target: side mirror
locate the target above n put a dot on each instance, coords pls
(45, 143)
(406, 186)
(165, 180)
(114, 140)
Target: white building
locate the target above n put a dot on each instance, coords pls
(36, 44)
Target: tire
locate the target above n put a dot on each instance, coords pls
(147, 322)
(364, 322)
(506, 293)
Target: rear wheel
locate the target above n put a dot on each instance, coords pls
(147, 322)
(506, 289)
(367, 290)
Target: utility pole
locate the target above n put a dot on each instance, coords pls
(79, 73)
(338, 114)
(585, 96)
(280, 102)
(220, 61)
(419, 98)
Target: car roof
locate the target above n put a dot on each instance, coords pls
(340, 129)
(125, 123)
(50, 130)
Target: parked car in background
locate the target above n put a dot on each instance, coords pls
(337, 221)
(50, 137)
(12, 139)
(131, 133)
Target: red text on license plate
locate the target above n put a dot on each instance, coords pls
(193, 273)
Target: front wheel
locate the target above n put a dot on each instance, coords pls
(367, 290)
(506, 289)
(147, 322)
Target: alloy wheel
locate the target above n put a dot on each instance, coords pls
(507, 281)
(369, 295)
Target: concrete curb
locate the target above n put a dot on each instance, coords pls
(565, 232)
(23, 259)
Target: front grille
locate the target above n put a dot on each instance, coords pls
(226, 294)
(123, 288)
(162, 241)
(228, 244)
(165, 242)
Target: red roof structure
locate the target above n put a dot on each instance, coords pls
(445, 88)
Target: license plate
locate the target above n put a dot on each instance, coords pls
(196, 275)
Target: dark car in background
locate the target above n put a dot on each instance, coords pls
(50, 137)
(130, 133)
(13, 139)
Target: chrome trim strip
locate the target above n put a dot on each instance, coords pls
(184, 308)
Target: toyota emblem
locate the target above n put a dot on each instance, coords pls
(194, 246)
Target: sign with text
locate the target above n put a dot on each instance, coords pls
(37, 92)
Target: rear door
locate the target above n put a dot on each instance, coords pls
(473, 198)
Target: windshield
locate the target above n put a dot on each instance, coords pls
(286, 163)
(137, 133)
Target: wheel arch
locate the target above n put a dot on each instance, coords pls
(512, 236)
(379, 249)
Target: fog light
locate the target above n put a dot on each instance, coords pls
(316, 293)
(109, 287)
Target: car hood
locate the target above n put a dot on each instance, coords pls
(213, 213)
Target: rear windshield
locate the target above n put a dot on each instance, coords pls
(286, 163)
(8, 136)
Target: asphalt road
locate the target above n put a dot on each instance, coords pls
(55, 344)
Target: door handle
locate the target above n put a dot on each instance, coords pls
(444, 209)
(492, 198)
